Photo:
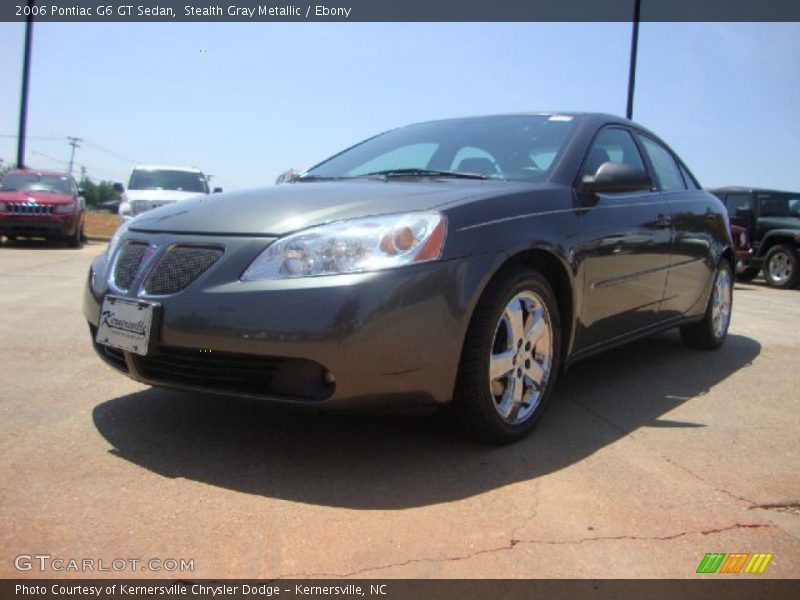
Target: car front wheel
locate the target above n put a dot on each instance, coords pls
(781, 267)
(76, 240)
(510, 358)
(711, 332)
(745, 273)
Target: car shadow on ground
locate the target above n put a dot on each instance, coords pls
(33, 244)
(380, 462)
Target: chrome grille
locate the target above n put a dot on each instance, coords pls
(130, 257)
(181, 266)
(22, 208)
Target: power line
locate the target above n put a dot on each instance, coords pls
(110, 152)
(34, 137)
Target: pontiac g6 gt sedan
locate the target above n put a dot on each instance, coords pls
(463, 262)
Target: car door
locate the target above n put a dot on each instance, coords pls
(695, 217)
(625, 249)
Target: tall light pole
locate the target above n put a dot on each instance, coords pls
(634, 46)
(73, 141)
(26, 72)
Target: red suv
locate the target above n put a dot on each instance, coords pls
(41, 204)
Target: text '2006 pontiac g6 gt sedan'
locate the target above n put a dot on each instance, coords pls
(462, 262)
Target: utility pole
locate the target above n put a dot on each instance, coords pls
(26, 73)
(634, 47)
(83, 172)
(73, 141)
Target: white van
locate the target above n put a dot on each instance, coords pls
(151, 186)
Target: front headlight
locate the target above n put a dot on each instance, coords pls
(65, 209)
(353, 246)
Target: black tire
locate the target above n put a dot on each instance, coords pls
(474, 407)
(705, 334)
(76, 240)
(744, 273)
(789, 275)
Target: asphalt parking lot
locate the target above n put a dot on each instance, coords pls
(649, 457)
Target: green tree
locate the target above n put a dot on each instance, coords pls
(97, 193)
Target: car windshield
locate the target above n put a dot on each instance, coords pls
(162, 179)
(512, 147)
(32, 182)
(779, 205)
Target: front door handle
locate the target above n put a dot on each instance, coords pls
(663, 221)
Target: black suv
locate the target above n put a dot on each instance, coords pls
(773, 221)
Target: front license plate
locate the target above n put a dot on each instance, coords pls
(126, 324)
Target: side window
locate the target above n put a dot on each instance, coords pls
(612, 145)
(413, 156)
(688, 179)
(735, 203)
(667, 171)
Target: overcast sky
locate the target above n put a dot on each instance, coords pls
(245, 101)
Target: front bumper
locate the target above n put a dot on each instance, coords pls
(390, 336)
(39, 226)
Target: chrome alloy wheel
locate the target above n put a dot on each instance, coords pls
(521, 357)
(780, 267)
(721, 303)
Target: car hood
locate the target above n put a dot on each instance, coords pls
(163, 195)
(779, 223)
(286, 208)
(37, 197)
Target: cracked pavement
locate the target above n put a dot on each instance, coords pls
(648, 457)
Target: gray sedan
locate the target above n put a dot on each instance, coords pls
(463, 262)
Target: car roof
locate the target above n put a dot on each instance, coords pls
(741, 188)
(166, 168)
(39, 172)
(583, 116)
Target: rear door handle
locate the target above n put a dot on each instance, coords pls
(663, 220)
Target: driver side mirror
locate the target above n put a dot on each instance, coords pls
(745, 215)
(216, 190)
(613, 177)
(117, 187)
(288, 176)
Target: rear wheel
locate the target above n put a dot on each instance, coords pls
(781, 267)
(510, 359)
(711, 332)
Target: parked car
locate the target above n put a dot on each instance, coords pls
(152, 186)
(42, 204)
(111, 206)
(772, 220)
(464, 262)
(742, 249)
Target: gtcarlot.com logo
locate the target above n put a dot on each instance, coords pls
(737, 562)
(46, 562)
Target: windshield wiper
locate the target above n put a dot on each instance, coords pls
(320, 178)
(415, 172)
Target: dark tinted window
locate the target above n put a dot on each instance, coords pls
(37, 183)
(518, 147)
(738, 202)
(612, 145)
(667, 171)
(162, 179)
(779, 205)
